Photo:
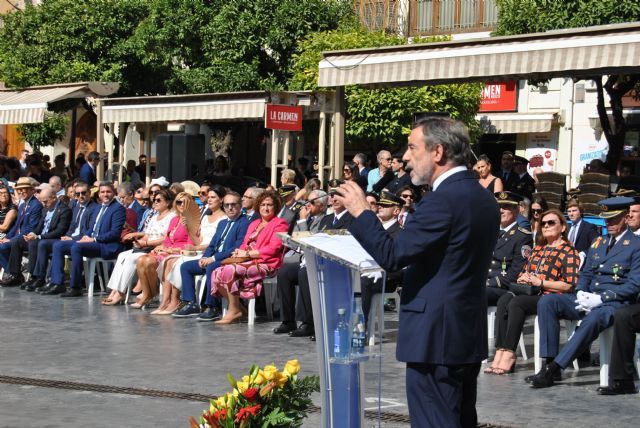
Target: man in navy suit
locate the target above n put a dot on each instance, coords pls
(103, 240)
(229, 235)
(88, 170)
(609, 280)
(29, 211)
(446, 248)
(80, 216)
(54, 222)
(582, 233)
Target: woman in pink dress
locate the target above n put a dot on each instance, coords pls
(183, 230)
(263, 250)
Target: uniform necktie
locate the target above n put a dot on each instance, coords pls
(335, 220)
(611, 244)
(501, 234)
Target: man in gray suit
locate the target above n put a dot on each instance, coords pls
(287, 213)
(309, 220)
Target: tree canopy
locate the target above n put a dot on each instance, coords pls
(530, 16)
(382, 116)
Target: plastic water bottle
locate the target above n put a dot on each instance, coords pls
(358, 336)
(341, 336)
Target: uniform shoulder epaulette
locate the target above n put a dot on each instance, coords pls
(523, 230)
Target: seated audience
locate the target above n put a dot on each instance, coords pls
(124, 270)
(229, 236)
(80, 221)
(126, 196)
(552, 267)
(609, 279)
(183, 230)
(581, 233)
(259, 256)
(537, 207)
(54, 222)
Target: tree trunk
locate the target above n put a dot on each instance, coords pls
(616, 86)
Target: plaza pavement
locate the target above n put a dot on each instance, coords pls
(63, 360)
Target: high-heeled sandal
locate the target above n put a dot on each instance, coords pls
(114, 302)
(512, 369)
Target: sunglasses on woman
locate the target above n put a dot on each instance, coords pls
(406, 196)
(536, 210)
(548, 223)
(157, 200)
(179, 202)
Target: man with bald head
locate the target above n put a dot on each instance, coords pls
(55, 219)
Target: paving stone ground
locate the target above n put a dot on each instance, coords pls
(78, 340)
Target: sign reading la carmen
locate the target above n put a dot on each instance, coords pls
(283, 118)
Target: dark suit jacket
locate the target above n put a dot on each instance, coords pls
(87, 174)
(28, 218)
(327, 222)
(587, 233)
(59, 222)
(234, 238)
(84, 221)
(525, 186)
(511, 181)
(446, 247)
(111, 224)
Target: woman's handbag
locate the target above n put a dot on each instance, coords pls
(235, 260)
(525, 289)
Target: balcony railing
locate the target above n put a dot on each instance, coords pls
(428, 17)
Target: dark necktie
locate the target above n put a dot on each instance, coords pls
(335, 220)
(501, 234)
(309, 222)
(96, 227)
(611, 244)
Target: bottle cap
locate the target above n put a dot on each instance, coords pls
(341, 311)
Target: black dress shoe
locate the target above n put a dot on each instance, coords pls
(305, 330)
(54, 289)
(28, 283)
(35, 284)
(545, 377)
(618, 388)
(72, 292)
(557, 377)
(285, 327)
(43, 289)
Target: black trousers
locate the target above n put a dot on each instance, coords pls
(626, 323)
(291, 275)
(494, 294)
(510, 316)
(18, 246)
(304, 310)
(442, 396)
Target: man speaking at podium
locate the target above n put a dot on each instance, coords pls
(446, 247)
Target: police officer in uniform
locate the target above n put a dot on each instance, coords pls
(609, 280)
(511, 251)
(524, 185)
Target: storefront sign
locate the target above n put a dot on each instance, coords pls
(283, 118)
(499, 97)
(586, 150)
(542, 150)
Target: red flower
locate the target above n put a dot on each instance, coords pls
(212, 419)
(245, 412)
(251, 394)
(220, 415)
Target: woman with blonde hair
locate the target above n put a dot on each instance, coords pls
(183, 230)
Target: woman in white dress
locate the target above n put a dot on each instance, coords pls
(124, 271)
(208, 228)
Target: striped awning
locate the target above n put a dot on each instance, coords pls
(30, 105)
(182, 109)
(517, 123)
(583, 52)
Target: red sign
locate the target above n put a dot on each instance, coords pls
(499, 97)
(283, 118)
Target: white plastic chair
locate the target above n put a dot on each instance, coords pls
(90, 265)
(491, 323)
(570, 327)
(375, 316)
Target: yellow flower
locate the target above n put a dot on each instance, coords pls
(245, 379)
(260, 379)
(281, 379)
(242, 386)
(221, 402)
(235, 393)
(270, 372)
(291, 368)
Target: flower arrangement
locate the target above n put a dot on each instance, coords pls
(264, 398)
